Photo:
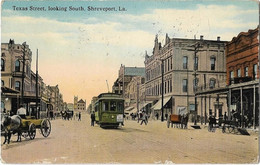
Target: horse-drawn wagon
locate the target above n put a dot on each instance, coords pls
(180, 121)
(24, 127)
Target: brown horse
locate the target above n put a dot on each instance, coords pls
(11, 125)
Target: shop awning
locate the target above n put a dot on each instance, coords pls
(8, 90)
(145, 104)
(129, 108)
(158, 105)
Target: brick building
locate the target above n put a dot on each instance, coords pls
(243, 77)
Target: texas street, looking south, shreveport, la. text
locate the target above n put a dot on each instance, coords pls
(69, 8)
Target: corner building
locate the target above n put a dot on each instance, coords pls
(184, 72)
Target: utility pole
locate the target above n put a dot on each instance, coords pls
(23, 61)
(37, 110)
(162, 118)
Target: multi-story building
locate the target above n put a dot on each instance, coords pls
(243, 77)
(185, 65)
(81, 105)
(125, 75)
(15, 61)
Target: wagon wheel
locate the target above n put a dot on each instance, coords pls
(45, 127)
(32, 131)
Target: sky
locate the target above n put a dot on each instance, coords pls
(80, 50)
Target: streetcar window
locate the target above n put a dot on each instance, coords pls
(105, 106)
(120, 106)
(112, 106)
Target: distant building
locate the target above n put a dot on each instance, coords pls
(81, 105)
(75, 102)
(70, 106)
(125, 75)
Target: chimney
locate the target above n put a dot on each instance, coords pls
(218, 38)
(201, 37)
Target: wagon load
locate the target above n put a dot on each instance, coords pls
(179, 120)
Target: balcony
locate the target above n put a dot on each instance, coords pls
(210, 87)
(237, 80)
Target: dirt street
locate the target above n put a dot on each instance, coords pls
(77, 142)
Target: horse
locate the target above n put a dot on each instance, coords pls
(184, 121)
(11, 125)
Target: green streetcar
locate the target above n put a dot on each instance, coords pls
(109, 110)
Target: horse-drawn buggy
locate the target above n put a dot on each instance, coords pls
(24, 127)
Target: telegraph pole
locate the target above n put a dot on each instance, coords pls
(37, 110)
(162, 118)
(23, 50)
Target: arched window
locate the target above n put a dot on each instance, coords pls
(212, 83)
(17, 85)
(17, 66)
(2, 64)
(2, 83)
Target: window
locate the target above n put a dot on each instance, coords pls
(171, 62)
(2, 64)
(2, 83)
(17, 85)
(231, 74)
(212, 83)
(17, 66)
(212, 63)
(112, 106)
(254, 71)
(239, 73)
(185, 62)
(196, 62)
(120, 106)
(184, 85)
(246, 71)
(105, 106)
(195, 84)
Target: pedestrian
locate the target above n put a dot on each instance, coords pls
(144, 118)
(92, 116)
(79, 117)
(21, 112)
(166, 116)
(140, 116)
(157, 116)
(225, 116)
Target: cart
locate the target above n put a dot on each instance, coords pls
(30, 124)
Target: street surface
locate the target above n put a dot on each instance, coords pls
(77, 142)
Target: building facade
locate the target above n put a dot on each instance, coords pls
(125, 75)
(15, 61)
(183, 72)
(243, 77)
(81, 105)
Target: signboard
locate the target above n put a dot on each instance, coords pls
(181, 110)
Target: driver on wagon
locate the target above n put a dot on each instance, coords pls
(21, 112)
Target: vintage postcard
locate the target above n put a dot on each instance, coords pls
(129, 82)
